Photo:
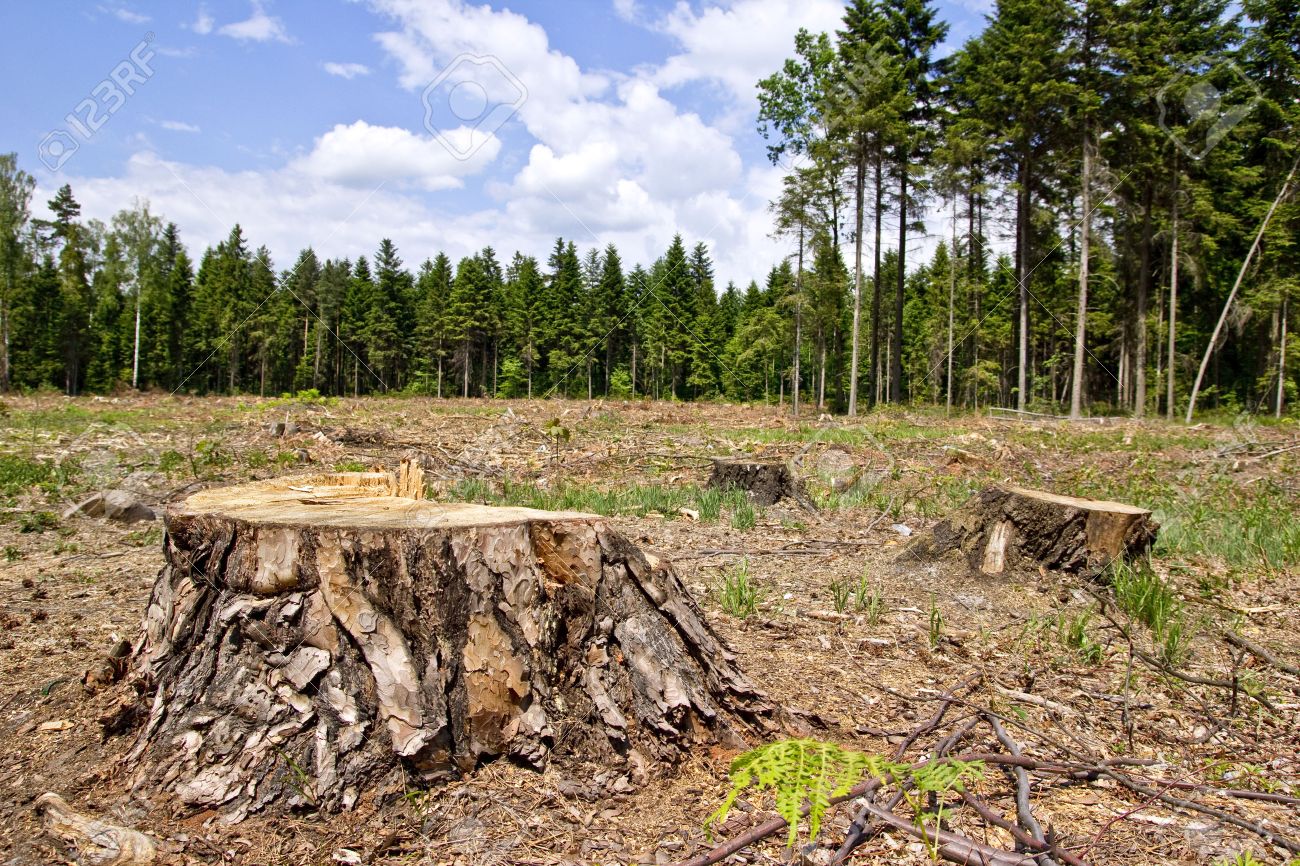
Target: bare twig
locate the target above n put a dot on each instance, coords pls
(1024, 812)
(986, 812)
(1259, 652)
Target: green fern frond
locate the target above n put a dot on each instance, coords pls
(815, 772)
(800, 771)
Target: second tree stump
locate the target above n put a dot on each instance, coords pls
(309, 639)
(766, 482)
(1000, 526)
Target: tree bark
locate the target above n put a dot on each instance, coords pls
(896, 350)
(860, 181)
(1172, 383)
(875, 282)
(798, 328)
(767, 483)
(1140, 312)
(1002, 526)
(313, 639)
(1081, 321)
(1022, 279)
(1281, 360)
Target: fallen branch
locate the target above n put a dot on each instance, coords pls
(986, 812)
(1259, 652)
(1024, 813)
(1260, 830)
(952, 846)
(858, 830)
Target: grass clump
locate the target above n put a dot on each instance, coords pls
(38, 521)
(351, 466)
(744, 516)
(738, 593)
(868, 600)
(840, 593)
(19, 474)
(936, 623)
(1146, 598)
(709, 504)
(1073, 634)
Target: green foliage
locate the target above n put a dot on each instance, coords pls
(12, 554)
(709, 502)
(351, 466)
(20, 474)
(738, 593)
(867, 599)
(810, 772)
(1073, 633)
(743, 515)
(150, 536)
(37, 521)
(1245, 858)
(210, 455)
(840, 592)
(799, 771)
(170, 462)
(1142, 595)
(620, 384)
(936, 623)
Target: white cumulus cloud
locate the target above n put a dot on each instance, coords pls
(360, 154)
(258, 27)
(346, 70)
(178, 126)
(203, 23)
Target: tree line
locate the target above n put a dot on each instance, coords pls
(1138, 157)
(88, 306)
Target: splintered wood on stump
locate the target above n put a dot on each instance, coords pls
(1000, 526)
(766, 482)
(309, 639)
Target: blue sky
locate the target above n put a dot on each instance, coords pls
(309, 122)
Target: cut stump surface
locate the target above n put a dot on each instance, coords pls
(1001, 526)
(309, 639)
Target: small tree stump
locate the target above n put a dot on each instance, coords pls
(1003, 525)
(767, 483)
(311, 638)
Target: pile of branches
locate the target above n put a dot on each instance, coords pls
(960, 730)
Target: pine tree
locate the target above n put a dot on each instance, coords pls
(16, 188)
(385, 316)
(75, 298)
(433, 325)
(611, 309)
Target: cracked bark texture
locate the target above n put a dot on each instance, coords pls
(311, 639)
(1001, 526)
(766, 482)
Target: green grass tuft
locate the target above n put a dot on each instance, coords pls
(738, 593)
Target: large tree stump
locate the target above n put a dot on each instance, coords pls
(1001, 526)
(311, 638)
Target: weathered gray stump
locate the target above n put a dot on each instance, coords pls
(1001, 526)
(311, 638)
(767, 483)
